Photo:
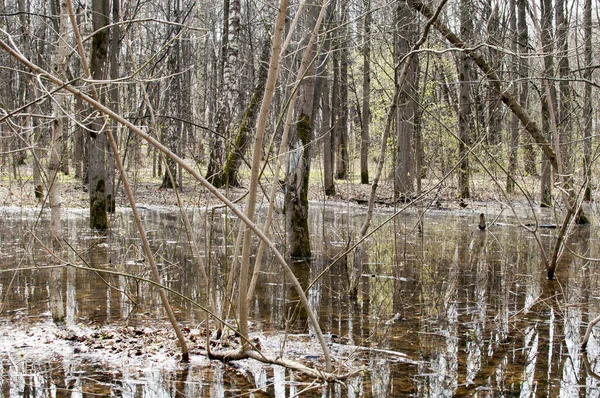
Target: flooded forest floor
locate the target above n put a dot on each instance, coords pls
(448, 310)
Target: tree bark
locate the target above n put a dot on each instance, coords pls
(97, 136)
(241, 141)
(406, 25)
(548, 99)
(529, 155)
(342, 157)
(494, 118)
(298, 165)
(465, 113)
(565, 136)
(229, 96)
(174, 104)
(366, 98)
(587, 100)
(328, 140)
(115, 49)
(60, 64)
(510, 101)
(514, 122)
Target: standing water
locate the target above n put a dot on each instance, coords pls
(451, 311)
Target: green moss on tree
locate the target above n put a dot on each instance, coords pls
(297, 201)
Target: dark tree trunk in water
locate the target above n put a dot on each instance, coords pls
(97, 137)
(96, 177)
(298, 167)
(296, 194)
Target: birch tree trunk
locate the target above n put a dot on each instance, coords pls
(241, 141)
(229, 96)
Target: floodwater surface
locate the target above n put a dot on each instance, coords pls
(449, 311)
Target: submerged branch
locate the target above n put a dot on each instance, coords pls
(588, 333)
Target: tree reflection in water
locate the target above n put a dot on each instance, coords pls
(455, 312)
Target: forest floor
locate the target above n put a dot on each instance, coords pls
(18, 191)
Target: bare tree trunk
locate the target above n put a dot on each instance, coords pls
(366, 99)
(565, 135)
(587, 100)
(494, 122)
(335, 105)
(514, 121)
(28, 88)
(97, 137)
(60, 58)
(185, 356)
(322, 94)
(79, 134)
(115, 49)
(406, 31)
(173, 125)
(229, 96)
(217, 141)
(79, 142)
(241, 141)
(529, 161)
(548, 97)
(298, 167)
(465, 112)
(356, 272)
(328, 140)
(342, 108)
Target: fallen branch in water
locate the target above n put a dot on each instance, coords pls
(239, 354)
(588, 333)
